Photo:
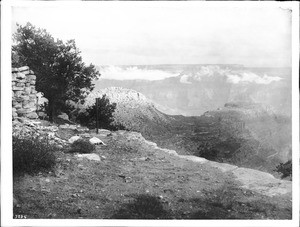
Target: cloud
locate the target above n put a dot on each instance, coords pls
(184, 79)
(232, 75)
(134, 34)
(249, 77)
(133, 73)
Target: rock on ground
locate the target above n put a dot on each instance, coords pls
(96, 141)
(73, 139)
(93, 157)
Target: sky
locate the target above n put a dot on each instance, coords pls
(134, 33)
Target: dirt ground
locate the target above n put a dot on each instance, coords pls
(133, 181)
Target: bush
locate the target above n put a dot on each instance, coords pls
(32, 155)
(143, 207)
(82, 146)
(285, 169)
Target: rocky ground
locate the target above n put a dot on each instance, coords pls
(133, 178)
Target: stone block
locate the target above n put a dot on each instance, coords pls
(32, 82)
(23, 68)
(31, 77)
(33, 109)
(23, 111)
(15, 88)
(32, 115)
(27, 84)
(25, 102)
(15, 70)
(17, 105)
(20, 84)
(14, 77)
(24, 98)
(27, 89)
(20, 76)
(13, 83)
(18, 93)
(29, 105)
(26, 72)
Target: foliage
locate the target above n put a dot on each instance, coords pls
(82, 146)
(285, 169)
(61, 74)
(105, 115)
(143, 207)
(32, 155)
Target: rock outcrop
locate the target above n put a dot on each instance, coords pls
(133, 110)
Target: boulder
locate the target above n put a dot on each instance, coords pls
(85, 135)
(104, 132)
(65, 126)
(74, 138)
(93, 157)
(96, 141)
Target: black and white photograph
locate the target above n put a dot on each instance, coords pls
(164, 113)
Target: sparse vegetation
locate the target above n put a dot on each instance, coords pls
(32, 155)
(82, 146)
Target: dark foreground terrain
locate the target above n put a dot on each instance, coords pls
(135, 181)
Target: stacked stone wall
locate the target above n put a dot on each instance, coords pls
(24, 95)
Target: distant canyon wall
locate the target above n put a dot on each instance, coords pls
(194, 91)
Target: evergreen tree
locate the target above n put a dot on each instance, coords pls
(61, 73)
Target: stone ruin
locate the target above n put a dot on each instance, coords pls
(24, 95)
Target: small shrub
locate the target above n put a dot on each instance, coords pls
(82, 146)
(285, 169)
(32, 155)
(143, 207)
